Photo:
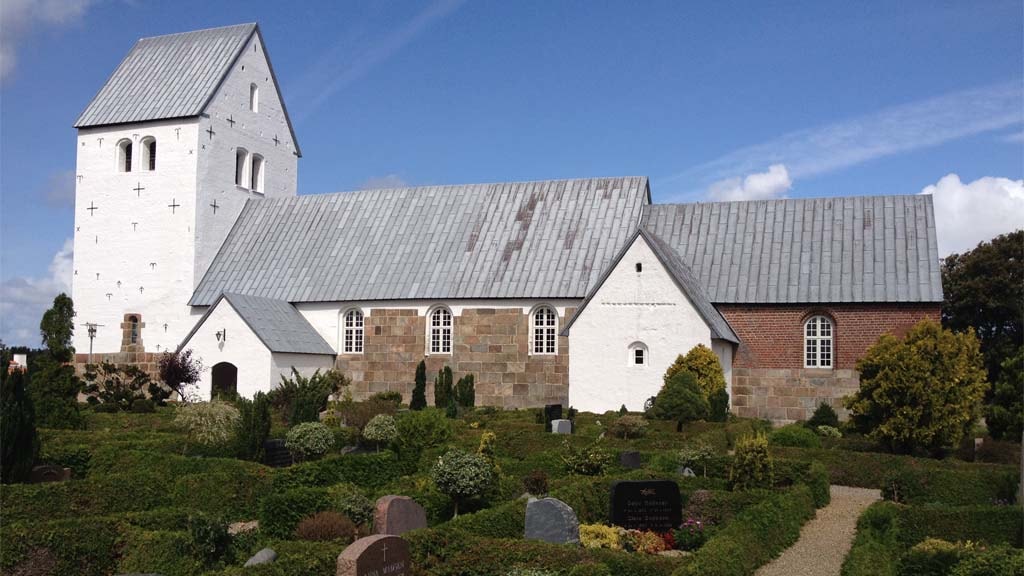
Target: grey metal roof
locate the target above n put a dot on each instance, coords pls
(547, 239)
(684, 279)
(843, 249)
(276, 323)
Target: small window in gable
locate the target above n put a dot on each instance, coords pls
(818, 342)
(639, 267)
(256, 180)
(241, 158)
(149, 153)
(638, 354)
(352, 342)
(544, 331)
(124, 155)
(254, 97)
(440, 331)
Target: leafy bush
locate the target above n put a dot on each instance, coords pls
(589, 460)
(704, 365)
(824, 415)
(389, 396)
(794, 435)
(422, 429)
(179, 372)
(536, 482)
(995, 561)
(301, 399)
(281, 512)
(465, 392)
(113, 385)
(992, 525)
(348, 499)
(209, 539)
(828, 432)
(443, 390)
(680, 399)
(628, 426)
(751, 464)
(309, 440)
(921, 485)
(718, 406)
(419, 390)
(143, 406)
(325, 526)
(696, 455)
(253, 426)
(932, 557)
(208, 423)
(1005, 415)
(53, 388)
(461, 475)
(17, 428)
(922, 391)
(381, 429)
(875, 550)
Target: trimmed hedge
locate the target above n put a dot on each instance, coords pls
(79, 547)
(364, 470)
(281, 512)
(232, 496)
(920, 485)
(754, 537)
(162, 551)
(96, 496)
(875, 551)
(294, 558)
(589, 495)
(990, 524)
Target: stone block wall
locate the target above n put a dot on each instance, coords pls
(490, 343)
(769, 380)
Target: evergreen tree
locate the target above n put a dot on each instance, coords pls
(465, 392)
(443, 387)
(57, 327)
(17, 427)
(52, 384)
(419, 391)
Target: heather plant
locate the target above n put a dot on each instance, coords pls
(309, 440)
(752, 464)
(326, 526)
(461, 475)
(381, 429)
(208, 423)
(419, 390)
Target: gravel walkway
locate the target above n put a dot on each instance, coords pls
(825, 540)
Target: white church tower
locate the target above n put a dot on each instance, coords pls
(187, 129)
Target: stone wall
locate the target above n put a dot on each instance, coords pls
(769, 380)
(490, 343)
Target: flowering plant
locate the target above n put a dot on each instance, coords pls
(692, 534)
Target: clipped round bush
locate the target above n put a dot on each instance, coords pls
(628, 426)
(752, 464)
(309, 440)
(326, 526)
(794, 435)
(932, 557)
(381, 429)
(461, 475)
(349, 500)
(208, 423)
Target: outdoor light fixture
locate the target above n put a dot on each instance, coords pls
(222, 335)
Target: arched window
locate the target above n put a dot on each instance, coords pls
(544, 331)
(241, 158)
(352, 335)
(818, 342)
(256, 178)
(133, 329)
(440, 331)
(124, 155)
(149, 153)
(254, 97)
(638, 354)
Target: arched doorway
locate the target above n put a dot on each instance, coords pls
(225, 381)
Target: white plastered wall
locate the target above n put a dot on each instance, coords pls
(306, 364)
(630, 307)
(724, 350)
(241, 347)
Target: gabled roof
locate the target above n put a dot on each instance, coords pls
(277, 324)
(813, 250)
(548, 239)
(172, 76)
(684, 279)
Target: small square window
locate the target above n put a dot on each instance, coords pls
(638, 356)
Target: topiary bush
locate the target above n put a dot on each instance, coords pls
(208, 423)
(381, 429)
(680, 399)
(628, 426)
(794, 435)
(326, 526)
(703, 363)
(751, 464)
(461, 475)
(309, 440)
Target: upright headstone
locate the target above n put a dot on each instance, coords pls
(630, 460)
(378, 555)
(397, 515)
(551, 520)
(552, 412)
(276, 454)
(646, 505)
(264, 556)
(49, 473)
(561, 427)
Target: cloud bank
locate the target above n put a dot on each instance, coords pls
(966, 214)
(24, 299)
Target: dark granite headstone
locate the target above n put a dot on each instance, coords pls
(551, 520)
(630, 460)
(380, 555)
(397, 515)
(276, 454)
(551, 412)
(49, 473)
(646, 505)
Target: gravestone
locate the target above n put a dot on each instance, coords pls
(378, 555)
(276, 454)
(552, 412)
(646, 505)
(551, 520)
(49, 473)
(630, 460)
(397, 515)
(265, 556)
(687, 472)
(561, 427)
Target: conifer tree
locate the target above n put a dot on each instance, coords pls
(17, 427)
(443, 387)
(419, 391)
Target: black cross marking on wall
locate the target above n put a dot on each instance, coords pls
(78, 228)
(140, 289)
(109, 295)
(214, 205)
(138, 189)
(231, 120)
(276, 141)
(210, 132)
(134, 224)
(97, 275)
(92, 208)
(173, 205)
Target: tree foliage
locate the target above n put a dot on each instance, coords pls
(301, 399)
(1005, 415)
(309, 440)
(108, 383)
(419, 391)
(922, 391)
(253, 426)
(443, 388)
(680, 399)
(704, 365)
(381, 429)
(20, 444)
(465, 391)
(178, 371)
(57, 327)
(461, 475)
(984, 292)
(52, 383)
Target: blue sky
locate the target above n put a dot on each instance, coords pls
(713, 101)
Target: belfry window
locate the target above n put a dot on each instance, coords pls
(149, 153)
(133, 329)
(256, 178)
(818, 342)
(440, 334)
(124, 155)
(254, 97)
(544, 331)
(241, 159)
(352, 342)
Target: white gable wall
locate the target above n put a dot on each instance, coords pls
(306, 364)
(242, 348)
(630, 307)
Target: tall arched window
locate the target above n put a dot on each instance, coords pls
(352, 338)
(241, 159)
(133, 329)
(818, 342)
(254, 97)
(124, 155)
(256, 178)
(638, 354)
(149, 153)
(440, 331)
(544, 331)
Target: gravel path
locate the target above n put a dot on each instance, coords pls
(825, 540)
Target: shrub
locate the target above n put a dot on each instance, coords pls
(348, 499)
(178, 371)
(1005, 415)
(922, 391)
(995, 561)
(718, 406)
(692, 534)
(828, 432)
(794, 435)
(253, 426)
(932, 557)
(143, 406)
(369, 471)
(107, 383)
(309, 440)
(824, 415)
(600, 536)
(358, 414)
(208, 423)
(922, 485)
(590, 569)
(680, 399)
(389, 396)
(628, 426)
(465, 392)
(696, 455)
(588, 460)
(461, 475)
(281, 512)
(645, 541)
(443, 393)
(994, 525)
(875, 551)
(17, 428)
(422, 429)
(209, 538)
(326, 526)
(419, 390)
(704, 365)
(751, 464)
(53, 388)
(536, 482)
(381, 429)
(301, 399)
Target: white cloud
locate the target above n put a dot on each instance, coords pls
(756, 186)
(23, 299)
(389, 181)
(966, 214)
(19, 17)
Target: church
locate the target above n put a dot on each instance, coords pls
(190, 234)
